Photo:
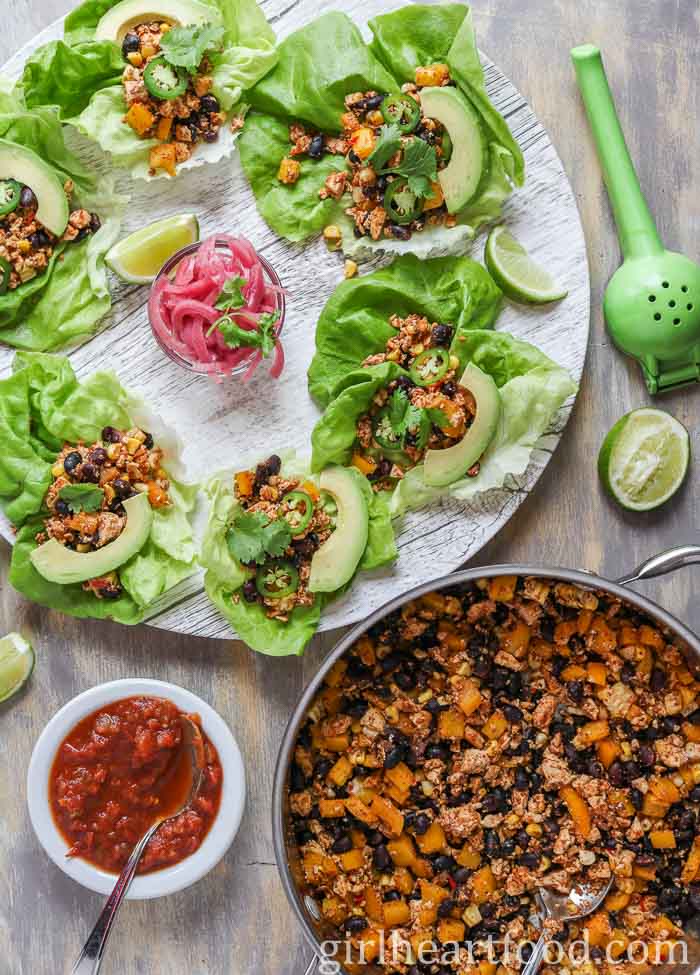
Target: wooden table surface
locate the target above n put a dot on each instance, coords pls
(237, 919)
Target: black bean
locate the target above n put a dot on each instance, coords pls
(694, 717)
(355, 924)
(636, 797)
(441, 335)
(404, 680)
(374, 101)
(530, 859)
(393, 757)
(646, 756)
(695, 794)
(89, 474)
(209, 104)
(110, 435)
(122, 488)
(343, 844)
(27, 199)
(508, 847)
(657, 680)
(399, 232)
(513, 714)
(575, 690)
(434, 750)
(595, 769)
(522, 780)
(322, 766)
(356, 709)
(627, 673)
(303, 836)
(98, 456)
(297, 779)
(421, 824)
(694, 897)
(616, 773)
(130, 44)
(491, 843)
(446, 907)
(250, 591)
(112, 591)
(71, 461)
(95, 223)
(316, 147)
(61, 507)
(381, 858)
(443, 862)
(39, 239)
(482, 668)
(375, 838)
(353, 158)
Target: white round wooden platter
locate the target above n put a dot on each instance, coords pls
(221, 425)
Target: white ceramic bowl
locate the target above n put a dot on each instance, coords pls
(222, 831)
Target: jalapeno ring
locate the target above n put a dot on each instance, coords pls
(402, 111)
(430, 366)
(277, 579)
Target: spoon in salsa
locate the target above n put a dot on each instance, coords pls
(90, 958)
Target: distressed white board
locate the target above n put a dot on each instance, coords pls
(220, 424)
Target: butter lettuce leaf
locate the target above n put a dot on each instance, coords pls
(354, 323)
(42, 406)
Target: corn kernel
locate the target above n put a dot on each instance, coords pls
(148, 50)
(471, 915)
(533, 829)
(164, 28)
(57, 470)
(24, 246)
(135, 58)
(375, 118)
(332, 236)
(392, 713)
(82, 548)
(132, 444)
(454, 362)
(113, 450)
(350, 269)
(417, 349)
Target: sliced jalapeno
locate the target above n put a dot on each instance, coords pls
(300, 513)
(384, 433)
(446, 146)
(10, 191)
(163, 80)
(5, 272)
(401, 203)
(277, 579)
(430, 366)
(401, 110)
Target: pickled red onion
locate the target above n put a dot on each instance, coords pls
(182, 307)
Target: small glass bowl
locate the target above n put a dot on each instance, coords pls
(202, 369)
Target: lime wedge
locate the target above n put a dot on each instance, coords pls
(644, 459)
(16, 664)
(140, 256)
(518, 277)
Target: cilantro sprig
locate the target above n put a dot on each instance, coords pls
(253, 538)
(230, 300)
(185, 47)
(418, 163)
(405, 418)
(82, 497)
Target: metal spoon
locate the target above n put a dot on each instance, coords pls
(90, 958)
(578, 903)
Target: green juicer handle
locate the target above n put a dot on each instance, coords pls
(637, 230)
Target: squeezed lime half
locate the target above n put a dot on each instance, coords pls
(516, 274)
(16, 664)
(644, 459)
(140, 256)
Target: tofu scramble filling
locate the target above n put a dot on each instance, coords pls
(302, 520)
(166, 103)
(119, 465)
(426, 409)
(26, 246)
(381, 204)
(490, 739)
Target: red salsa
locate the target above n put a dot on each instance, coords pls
(120, 769)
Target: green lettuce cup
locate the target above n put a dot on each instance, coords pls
(279, 545)
(287, 171)
(53, 280)
(526, 390)
(355, 322)
(197, 79)
(72, 453)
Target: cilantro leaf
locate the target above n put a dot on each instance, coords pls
(438, 417)
(262, 338)
(184, 47)
(397, 411)
(231, 294)
(418, 165)
(82, 497)
(253, 538)
(388, 142)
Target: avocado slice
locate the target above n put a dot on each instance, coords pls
(336, 560)
(127, 14)
(461, 177)
(59, 564)
(27, 168)
(443, 467)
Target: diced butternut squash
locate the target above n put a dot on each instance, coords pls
(335, 675)
(403, 880)
(617, 900)
(516, 639)
(399, 796)
(664, 789)
(643, 872)
(662, 839)
(244, 481)
(389, 815)
(502, 588)
(691, 731)
(433, 892)
(591, 732)
(374, 908)
(140, 118)
(358, 838)
(578, 809)
(495, 726)
(289, 171)
(401, 776)
(422, 867)
(334, 910)
(163, 157)
(341, 771)
(597, 673)
(573, 672)
(163, 128)
(483, 885)
(427, 914)
(357, 808)
(470, 700)
(331, 808)
(395, 913)
(368, 943)
(468, 858)
(352, 860)
(362, 141)
(366, 651)
(421, 941)
(649, 637)
(450, 930)
(608, 750)
(691, 867)
(433, 75)
(653, 808)
(318, 867)
(436, 198)
(450, 724)
(433, 840)
(487, 967)
(602, 639)
(402, 851)
(618, 942)
(598, 927)
(337, 743)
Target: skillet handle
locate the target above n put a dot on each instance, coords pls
(663, 563)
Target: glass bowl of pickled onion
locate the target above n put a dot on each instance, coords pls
(217, 308)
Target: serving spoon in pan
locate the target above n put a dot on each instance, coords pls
(90, 958)
(581, 901)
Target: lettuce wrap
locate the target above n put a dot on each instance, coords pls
(65, 301)
(82, 77)
(43, 406)
(354, 323)
(225, 575)
(532, 389)
(308, 86)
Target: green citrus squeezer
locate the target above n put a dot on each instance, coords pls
(652, 303)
